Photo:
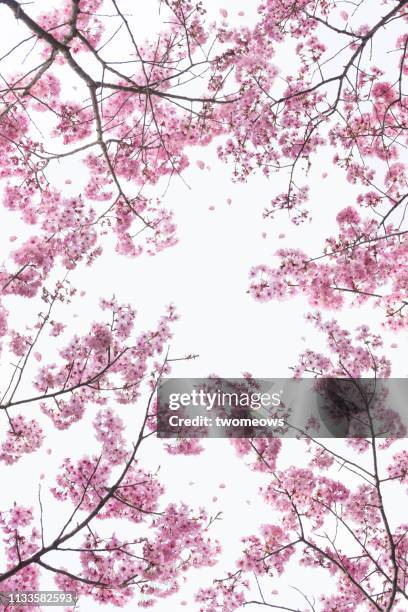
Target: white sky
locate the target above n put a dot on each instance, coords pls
(206, 276)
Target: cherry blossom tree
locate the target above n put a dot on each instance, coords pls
(352, 100)
(360, 111)
(345, 527)
(129, 123)
(110, 363)
(137, 109)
